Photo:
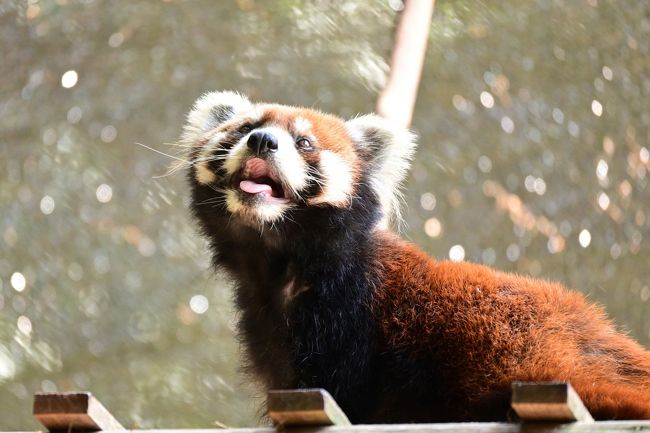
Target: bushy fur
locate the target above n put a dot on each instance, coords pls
(330, 298)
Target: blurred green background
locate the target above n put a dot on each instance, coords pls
(534, 127)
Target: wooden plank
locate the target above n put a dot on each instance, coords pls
(595, 427)
(304, 407)
(72, 411)
(548, 401)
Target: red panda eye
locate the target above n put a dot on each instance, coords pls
(304, 143)
(246, 128)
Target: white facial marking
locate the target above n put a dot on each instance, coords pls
(261, 213)
(215, 139)
(270, 212)
(292, 168)
(255, 114)
(233, 203)
(203, 173)
(301, 125)
(236, 156)
(337, 180)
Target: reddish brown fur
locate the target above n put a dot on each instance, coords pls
(329, 131)
(491, 328)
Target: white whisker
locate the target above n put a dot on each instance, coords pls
(164, 154)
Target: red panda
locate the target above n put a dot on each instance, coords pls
(296, 205)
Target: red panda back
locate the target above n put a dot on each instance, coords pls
(489, 328)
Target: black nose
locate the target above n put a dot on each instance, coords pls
(261, 142)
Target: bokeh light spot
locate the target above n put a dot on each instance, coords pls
(74, 114)
(24, 325)
(457, 253)
(601, 169)
(513, 252)
(584, 238)
(487, 100)
(104, 193)
(608, 74)
(603, 201)
(484, 164)
(69, 79)
(432, 227)
(199, 304)
(396, 5)
(597, 108)
(116, 39)
(459, 102)
(18, 281)
(108, 134)
(428, 201)
(555, 244)
(644, 155)
(147, 247)
(47, 205)
(507, 124)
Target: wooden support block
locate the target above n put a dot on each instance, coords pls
(304, 407)
(73, 411)
(548, 401)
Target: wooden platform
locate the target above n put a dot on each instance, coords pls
(596, 427)
(541, 407)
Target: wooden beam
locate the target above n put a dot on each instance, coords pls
(468, 427)
(397, 100)
(73, 411)
(474, 427)
(304, 407)
(548, 401)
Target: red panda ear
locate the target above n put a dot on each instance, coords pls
(211, 110)
(387, 148)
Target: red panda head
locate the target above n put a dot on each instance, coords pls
(262, 161)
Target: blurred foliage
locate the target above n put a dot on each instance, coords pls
(534, 128)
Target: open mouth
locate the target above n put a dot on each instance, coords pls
(257, 179)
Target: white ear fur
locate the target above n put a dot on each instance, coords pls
(388, 149)
(210, 110)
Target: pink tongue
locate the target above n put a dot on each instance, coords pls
(255, 188)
